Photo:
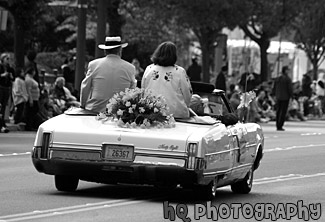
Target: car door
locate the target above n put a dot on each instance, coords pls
(241, 151)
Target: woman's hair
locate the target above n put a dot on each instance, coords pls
(18, 72)
(165, 54)
(30, 70)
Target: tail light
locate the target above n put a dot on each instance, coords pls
(191, 153)
(45, 145)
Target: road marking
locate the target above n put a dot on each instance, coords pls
(285, 178)
(15, 154)
(292, 147)
(72, 209)
(116, 203)
(310, 134)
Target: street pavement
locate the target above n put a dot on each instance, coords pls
(291, 172)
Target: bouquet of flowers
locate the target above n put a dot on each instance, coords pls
(137, 107)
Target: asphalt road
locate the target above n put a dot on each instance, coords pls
(289, 184)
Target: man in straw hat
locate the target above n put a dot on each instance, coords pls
(106, 76)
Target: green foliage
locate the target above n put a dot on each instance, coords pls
(50, 60)
(309, 30)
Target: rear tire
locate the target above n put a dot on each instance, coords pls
(66, 183)
(244, 186)
(209, 191)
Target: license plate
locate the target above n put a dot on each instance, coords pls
(118, 152)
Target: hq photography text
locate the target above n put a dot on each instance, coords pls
(258, 211)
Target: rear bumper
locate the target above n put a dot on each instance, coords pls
(103, 172)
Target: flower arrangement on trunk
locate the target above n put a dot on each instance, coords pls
(137, 108)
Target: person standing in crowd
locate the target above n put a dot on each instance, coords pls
(307, 91)
(32, 106)
(138, 71)
(249, 80)
(7, 76)
(320, 90)
(106, 76)
(19, 96)
(68, 71)
(283, 92)
(221, 79)
(165, 78)
(30, 63)
(194, 70)
(306, 85)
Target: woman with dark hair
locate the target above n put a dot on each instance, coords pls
(32, 105)
(165, 78)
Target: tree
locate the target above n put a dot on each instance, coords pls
(205, 18)
(262, 20)
(145, 29)
(310, 32)
(24, 13)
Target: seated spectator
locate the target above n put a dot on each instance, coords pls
(294, 111)
(264, 107)
(61, 97)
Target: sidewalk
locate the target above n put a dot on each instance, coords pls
(14, 127)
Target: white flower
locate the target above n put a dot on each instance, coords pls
(120, 123)
(141, 110)
(134, 106)
(119, 112)
(126, 97)
(100, 116)
(155, 110)
(112, 101)
(130, 110)
(127, 104)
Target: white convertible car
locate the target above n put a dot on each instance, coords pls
(193, 154)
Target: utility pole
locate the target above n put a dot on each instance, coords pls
(101, 26)
(81, 43)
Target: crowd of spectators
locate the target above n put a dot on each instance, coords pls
(32, 102)
(306, 103)
(29, 101)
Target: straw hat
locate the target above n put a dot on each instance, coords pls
(112, 42)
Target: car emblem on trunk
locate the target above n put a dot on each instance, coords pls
(119, 138)
(166, 147)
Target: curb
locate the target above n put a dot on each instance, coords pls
(15, 127)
